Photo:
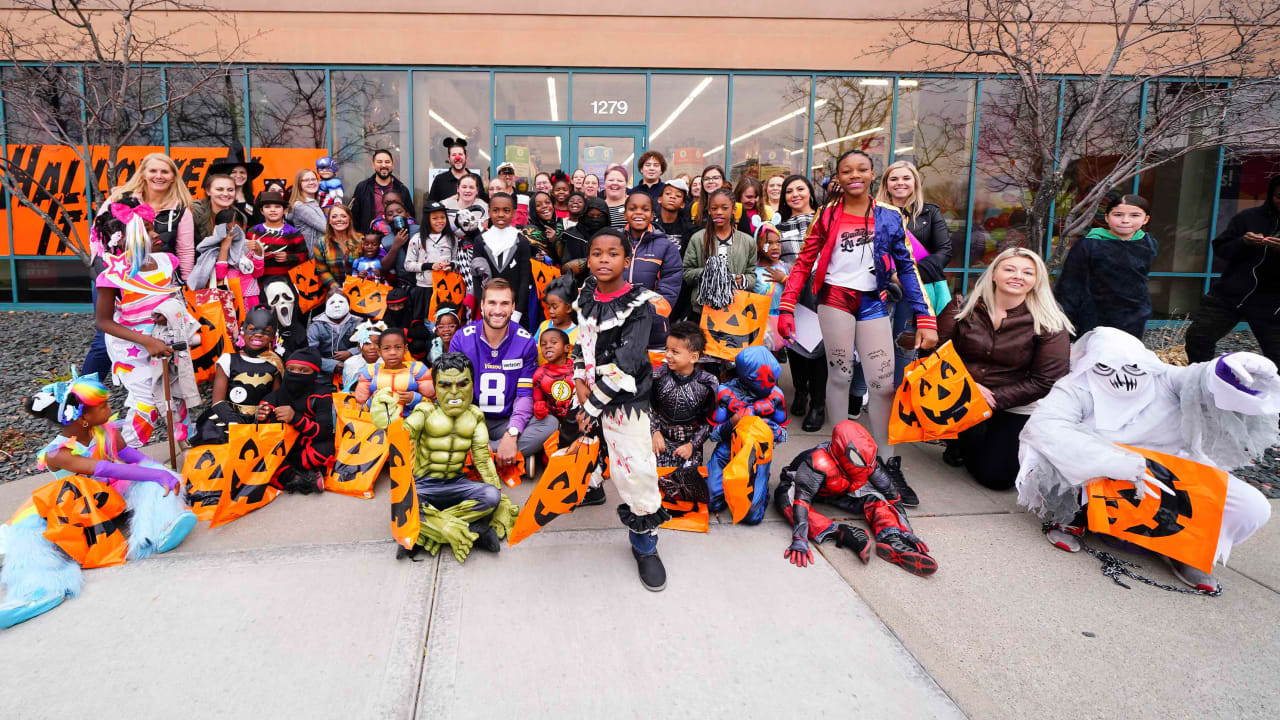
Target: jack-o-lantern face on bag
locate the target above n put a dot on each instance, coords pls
(310, 291)
(945, 399)
(751, 446)
(213, 340)
(405, 521)
(202, 471)
(449, 289)
(361, 450)
(741, 324)
(561, 488)
(938, 399)
(255, 452)
(82, 516)
(368, 298)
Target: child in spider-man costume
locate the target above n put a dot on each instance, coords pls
(846, 474)
(753, 392)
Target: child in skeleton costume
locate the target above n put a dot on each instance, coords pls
(1221, 413)
(683, 401)
(846, 474)
(330, 333)
(754, 391)
(242, 380)
(454, 509)
(37, 574)
(305, 401)
(132, 285)
(613, 375)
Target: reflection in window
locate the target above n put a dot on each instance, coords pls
(109, 118)
(287, 108)
(209, 109)
(1008, 169)
(1244, 184)
(1181, 197)
(531, 97)
(368, 107)
(688, 119)
(935, 132)
(608, 97)
(449, 104)
(6, 277)
(770, 126)
(53, 281)
(1175, 298)
(850, 113)
(42, 105)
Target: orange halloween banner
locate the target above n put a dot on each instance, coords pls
(55, 171)
(562, 486)
(739, 325)
(405, 521)
(361, 450)
(82, 516)
(214, 339)
(255, 452)
(938, 399)
(510, 475)
(752, 445)
(1182, 524)
(202, 473)
(310, 292)
(449, 289)
(543, 274)
(367, 297)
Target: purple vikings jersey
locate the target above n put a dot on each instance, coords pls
(503, 373)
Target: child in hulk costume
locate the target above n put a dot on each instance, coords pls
(455, 510)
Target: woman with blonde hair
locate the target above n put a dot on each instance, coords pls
(156, 183)
(334, 251)
(304, 208)
(1015, 341)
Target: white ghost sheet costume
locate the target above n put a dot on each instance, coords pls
(1222, 413)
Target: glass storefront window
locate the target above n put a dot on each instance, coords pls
(6, 279)
(42, 101)
(770, 126)
(531, 97)
(287, 108)
(211, 115)
(596, 154)
(1244, 185)
(1175, 298)
(935, 132)
(100, 89)
(531, 154)
(1181, 197)
(53, 281)
(449, 105)
(608, 97)
(850, 113)
(687, 120)
(370, 108)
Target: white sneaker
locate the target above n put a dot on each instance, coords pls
(1065, 537)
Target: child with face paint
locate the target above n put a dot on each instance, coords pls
(242, 379)
(612, 375)
(559, 300)
(366, 337)
(304, 400)
(330, 333)
(409, 382)
(36, 574)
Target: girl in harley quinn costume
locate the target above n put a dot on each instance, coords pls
(37, 575)
(848, 251)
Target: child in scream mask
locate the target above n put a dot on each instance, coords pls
(304, 400)
(242, 379)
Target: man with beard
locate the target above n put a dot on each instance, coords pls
(445, 185)
(504, 356)
(366, 201)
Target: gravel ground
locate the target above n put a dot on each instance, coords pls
(38, 347)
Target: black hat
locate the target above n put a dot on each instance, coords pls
(235, 158)
(434, 207)
(270, 197)
(455, 142)
(308, 355)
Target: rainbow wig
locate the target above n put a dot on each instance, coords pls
(87, 389)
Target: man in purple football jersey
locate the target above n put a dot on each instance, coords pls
(504, 356)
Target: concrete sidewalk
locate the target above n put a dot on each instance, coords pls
(300, 610)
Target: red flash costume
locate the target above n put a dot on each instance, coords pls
(846, 474)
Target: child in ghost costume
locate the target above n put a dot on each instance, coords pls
(1222, 413)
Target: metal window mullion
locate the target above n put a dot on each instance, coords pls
(164, 100)
(13, 266)
(248, 143)
(808, 155)
(329, 124)
(893, 125)
(1057, 159)
(493, 109)
(1213, 216)
(1142, 132)
(648, 89)
(728, 131)
(973, 171)
(408, 94)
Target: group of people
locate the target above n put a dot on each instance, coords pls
(612, 349)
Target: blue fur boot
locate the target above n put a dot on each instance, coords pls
(37, 575)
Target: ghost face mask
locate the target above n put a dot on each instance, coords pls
(337, 308)
(281, 299)
(1119, 393)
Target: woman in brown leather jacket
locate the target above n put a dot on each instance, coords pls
(1014, 340)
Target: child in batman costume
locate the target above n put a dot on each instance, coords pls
(305, 401)
(454, 510)
(754, 391)
(37, 574)
(845, 473)
(242, 380)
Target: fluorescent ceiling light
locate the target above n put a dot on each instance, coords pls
(874, 81)
(455, 131)
(908, 83)
(684, 104)
(628, 160)
(551, 96)
(713, 150)
(906, 149)
(841, 139)
(782, 119)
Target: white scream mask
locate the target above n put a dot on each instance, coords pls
(336, 308)
(281, 298)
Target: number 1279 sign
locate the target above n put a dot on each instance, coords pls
(609, 107)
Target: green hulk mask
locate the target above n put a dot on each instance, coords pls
(443, 432)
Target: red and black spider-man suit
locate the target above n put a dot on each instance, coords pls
(845, 473)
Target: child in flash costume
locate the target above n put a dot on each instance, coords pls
(753, 392)
(37, 574)
(454, 509)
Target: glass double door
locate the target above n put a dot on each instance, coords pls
(545, 148)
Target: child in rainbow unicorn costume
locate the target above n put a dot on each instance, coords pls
(37, 573)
